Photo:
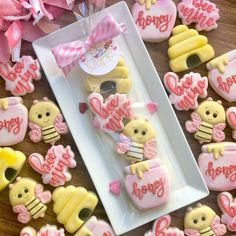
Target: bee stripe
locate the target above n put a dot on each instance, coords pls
(34, 206)
(38, 210)
(203, 138)
(207, 232)
(46, 139)
(31, 202)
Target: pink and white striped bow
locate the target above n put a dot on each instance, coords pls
(67, 55)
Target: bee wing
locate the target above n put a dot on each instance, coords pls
(23, 214)
(123, 145)
(43, 196)
(150, 149)
(193, 125)
(60, 126)
(218, 134)
(35, 133)
(217, 227)
(192, 232)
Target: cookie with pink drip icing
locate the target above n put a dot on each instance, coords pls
(155, 19)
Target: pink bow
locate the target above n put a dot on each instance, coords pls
(67, 55)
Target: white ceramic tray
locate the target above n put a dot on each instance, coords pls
(103, 164)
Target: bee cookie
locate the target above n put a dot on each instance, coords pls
(54, 167)
(28, 199)
(13, 121)
(208, 122)
(46, 122)
(137, 140)
(50, 230)
(202, 220)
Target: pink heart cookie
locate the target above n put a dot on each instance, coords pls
(54, 167)
(13, 121)
(161, 227)
(222, 75)
(152, 189)
(155, 24)
(110, 114)
(202, 12)
(231, 119)
(217, 165)
(184, 93)
(19, 77)
(227, 205)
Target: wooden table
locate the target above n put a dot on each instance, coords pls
(223, 39)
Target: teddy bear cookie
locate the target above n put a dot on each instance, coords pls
(154, 19)
(202, 220)
(11, 163)
(202, 12)
(50, 230)
(118, 80)
(227, 205)
(46, 122)
(184, 92)
(188, 49)
(19, 77)
(208, 122)
(217, 165)
(137, 140)
(13, 121)
(161, 227)
(54, 167)
(28, 199)
(222, 75)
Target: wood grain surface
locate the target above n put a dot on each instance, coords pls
(223, 39)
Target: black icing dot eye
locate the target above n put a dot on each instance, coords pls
(39, 116)
(214, 115)
(195, 221)
(203, 218)
(26, 190)
(48, 114)
(19, 195)
(207, 112)
(136, 131)
(144, 132)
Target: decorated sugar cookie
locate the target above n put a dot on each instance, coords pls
(222, 75)
(184, 92)
(137, 141)
(231, 119)
(202, 220)
(13, 121)
(188, 49)
(46, 122)
(202, 12)
(227, 205)
(109, 114)
(155, 19)
(147, 184)
(28, 199)
(217, 163)
(47, 230)
(208, 122)
(11, 163)
(19, 77)
(54, 167)
(161, 227)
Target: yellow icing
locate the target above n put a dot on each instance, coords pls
(219, 63)
(84, 231)
(148, 3)
(3, 103)
(185, 43)
(216, 148)
(68, 205)
(139, 168)
(199, 218)
(10, 159)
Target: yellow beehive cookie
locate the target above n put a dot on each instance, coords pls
(118, 80)
(73, 206)
(188, 49)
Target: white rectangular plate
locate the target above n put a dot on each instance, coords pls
(103, 164)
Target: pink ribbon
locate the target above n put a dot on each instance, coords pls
(67, 55)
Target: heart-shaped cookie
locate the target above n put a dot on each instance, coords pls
(155, 24)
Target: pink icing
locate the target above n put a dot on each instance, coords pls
(227, 204)
(184, 93)
(19, 77)
(115, 187)
(219, 174)
(161, 228)
(156, 24)
(202, 12)
(231, 119)
(152, 107)
(54, 167)
(109, 114)
(47, 230)
(224, 83)
(13, 122)
(150, 191)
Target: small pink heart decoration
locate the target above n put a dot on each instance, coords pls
(152, 107)
(83, 107)
(115, 187)
(231, 119)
